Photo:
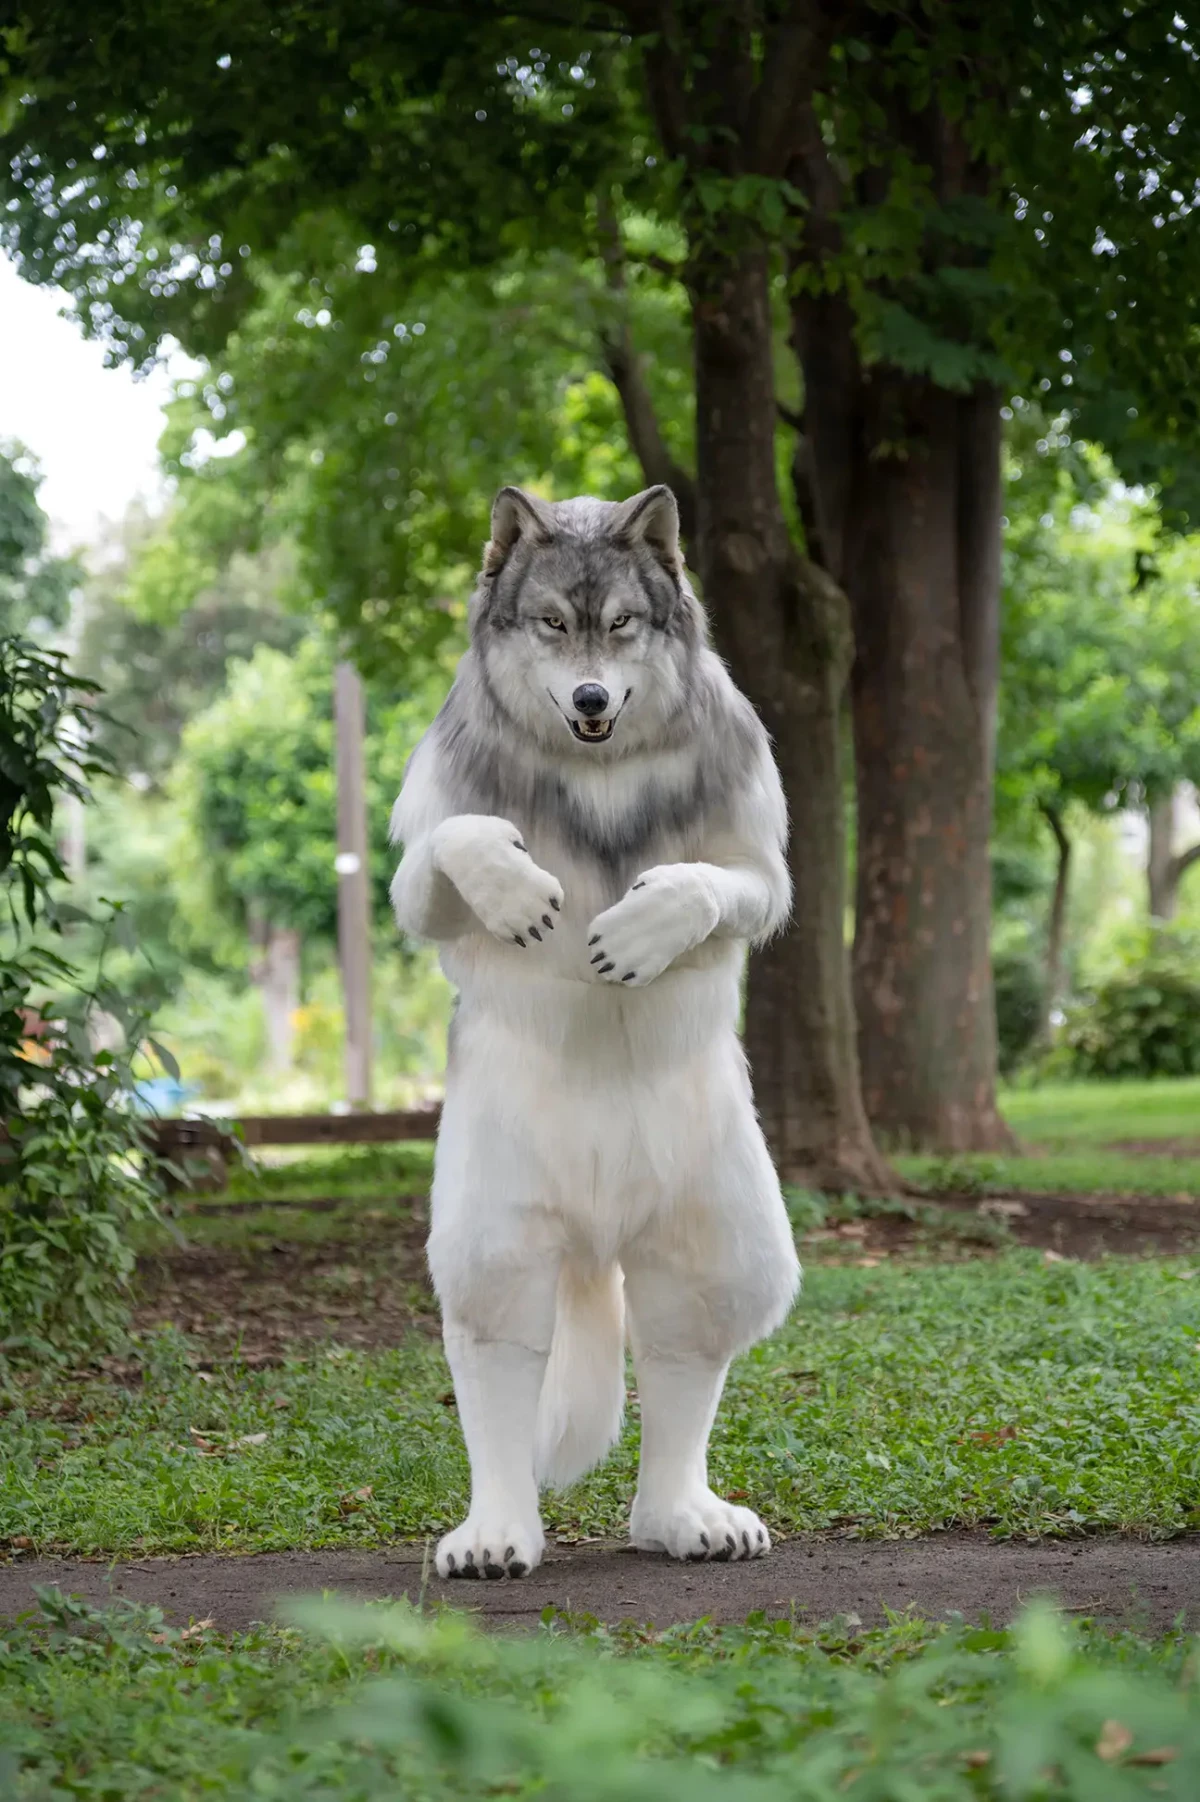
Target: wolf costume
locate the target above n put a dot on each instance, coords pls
(593, 830)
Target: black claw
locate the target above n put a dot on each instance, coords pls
(518, 1569)
(762, 1538)
(595, 939)
(639, 885)
(557, 906)
(605, 968)
(508, 1552)
(704, 1541)
(599, 958)
(450, 1562)
(629, 976)
(535, 934)
(518, 940)
(746, 1541)
(731, 1542)
(518, 846)
(493, 1571)
(547, 921)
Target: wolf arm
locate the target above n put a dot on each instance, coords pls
(463, 871)
(740, 890)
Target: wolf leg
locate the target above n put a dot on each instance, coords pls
(706, 1281)
(495, 1264)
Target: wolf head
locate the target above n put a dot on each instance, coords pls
(583, 621)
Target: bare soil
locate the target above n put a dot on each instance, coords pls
(365, 1285)
(1139, 1584)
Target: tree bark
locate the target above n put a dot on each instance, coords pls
(1056, 926)
(907, 480)
(1165, 867)
(784, 629)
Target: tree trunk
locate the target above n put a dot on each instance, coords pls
(1056, 926)
(907, 497)
(1160, 864)
(1165, 867)
(276, 972)
(784, 630)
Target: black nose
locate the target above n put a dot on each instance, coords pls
(590, 699)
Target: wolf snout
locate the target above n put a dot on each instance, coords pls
(590, 698)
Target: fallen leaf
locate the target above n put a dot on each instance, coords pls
(976, 1760)
(197, 1627)
(236, 1445)
(204, 1376)
(1156, 1755)
(353, 1500)
(1115, 1740)
(1053, 1257)
(282, 1401)
(21, 1542)
(204, 1446)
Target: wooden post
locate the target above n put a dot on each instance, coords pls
(354, 898)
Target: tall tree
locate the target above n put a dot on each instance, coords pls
(964, 198)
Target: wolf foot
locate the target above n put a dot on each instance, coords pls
(490, 1547)
(700, 1527)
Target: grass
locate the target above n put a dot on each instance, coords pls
(1031, 1397)
(1103, 1113)
(380, 1703)
(1088, 1171)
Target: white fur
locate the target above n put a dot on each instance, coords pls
(599, 1152)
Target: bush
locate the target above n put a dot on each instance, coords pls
(1142, 1022)
(76, 1176)
(75, 1173)
(1019, 981)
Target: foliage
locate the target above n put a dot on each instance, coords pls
(157, 669)
(377, 1702)
(73, 1174)
(255, 790)
(77, 1176)
(1141, 1022)
(35, 587)
(45, 713)
(1020, 986)
(1101, 666)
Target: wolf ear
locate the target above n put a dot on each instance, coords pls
(515, 515)
(651, 518)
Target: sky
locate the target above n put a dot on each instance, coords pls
(93, 430)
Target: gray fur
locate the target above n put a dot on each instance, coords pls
(583, 552)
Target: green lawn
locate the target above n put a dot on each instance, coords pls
(1030, 1396)
(1101, 1113)
(379, 1705)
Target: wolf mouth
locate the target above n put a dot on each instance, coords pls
(591, 731)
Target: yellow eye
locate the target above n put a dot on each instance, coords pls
(622, 619)
(555, 623)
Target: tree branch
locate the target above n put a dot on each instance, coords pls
(794, 57)
(1185, 860)
(624, 367)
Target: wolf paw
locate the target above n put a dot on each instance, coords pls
(666, 912)
(492, 1547)
(486, 860)
(700, 1527)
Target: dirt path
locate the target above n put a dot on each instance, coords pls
(1143, 1585)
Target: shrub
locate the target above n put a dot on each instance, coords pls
(75, 1173)
(1143, 1022)
(1020, 1002)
